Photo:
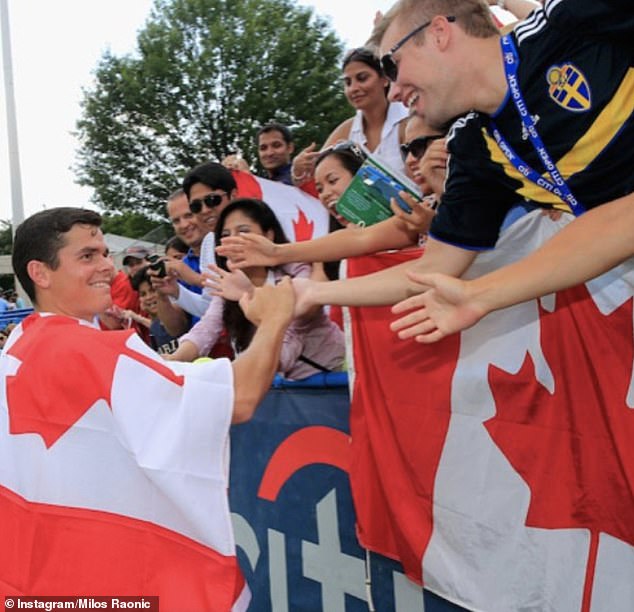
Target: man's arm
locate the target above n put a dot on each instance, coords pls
(183, 271)
(589, 246)
(174, 319)
(387, 286)
(270, 308)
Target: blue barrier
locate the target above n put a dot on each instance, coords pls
(293, 515)
(322, 380)
(14, 316)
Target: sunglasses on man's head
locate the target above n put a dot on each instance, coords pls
(417, 146)
(389, 66)
(210, 201)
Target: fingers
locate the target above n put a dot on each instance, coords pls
(215, 269)
(420, 216)
(416, 301)
(413, 324)
(429, 338)
(213, 278)
(303, 164)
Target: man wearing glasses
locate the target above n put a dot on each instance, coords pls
(207, 189)
(535, 122)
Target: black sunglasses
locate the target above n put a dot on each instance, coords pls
(210, 201)
(417, 146)
(390, 69)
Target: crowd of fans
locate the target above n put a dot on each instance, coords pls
(221, 288)
(184, 303)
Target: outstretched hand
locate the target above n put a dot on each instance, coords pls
(270, 304)
(445, 308)
(248, 250)
(228, 285)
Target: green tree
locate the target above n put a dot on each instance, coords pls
(6, 237)
(207, 74)
(133, 225)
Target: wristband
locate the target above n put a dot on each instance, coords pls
(299, 178)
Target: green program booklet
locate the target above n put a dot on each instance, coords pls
(366, 201)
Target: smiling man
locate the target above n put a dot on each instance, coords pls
(275, 148)
(207, 190)
(551, 121)
(76, 400)
(545, 114)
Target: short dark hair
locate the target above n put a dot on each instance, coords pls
(287, 135)
(41, 236)
(176, 243)
(212, 174)
(140, 276)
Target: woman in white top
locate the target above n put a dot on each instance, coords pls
(377, 124)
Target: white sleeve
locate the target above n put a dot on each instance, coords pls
(195, 304)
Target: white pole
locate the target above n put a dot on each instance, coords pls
(17, 207)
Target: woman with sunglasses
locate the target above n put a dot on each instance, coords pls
(377, 123)
(335, 168)
(427, 171)
(312, 343)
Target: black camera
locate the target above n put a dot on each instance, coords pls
(157, 264)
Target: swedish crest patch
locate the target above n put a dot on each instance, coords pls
(568, 87)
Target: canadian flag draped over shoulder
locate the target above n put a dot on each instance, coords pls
(113, 470)
(498, 465)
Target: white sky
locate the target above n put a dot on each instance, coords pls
(55, 46)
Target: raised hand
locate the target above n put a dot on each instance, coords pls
(248, 250)
(433, 167)
(303, 166)
(270, 304)
(420, 218)
(228, 285)
(445, 308)
(165, 285)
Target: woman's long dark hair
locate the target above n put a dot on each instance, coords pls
(239, 328)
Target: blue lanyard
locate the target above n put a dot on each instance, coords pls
(558, 185)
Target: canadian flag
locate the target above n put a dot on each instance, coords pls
(301, 215)
(113, 470)
(498, 465)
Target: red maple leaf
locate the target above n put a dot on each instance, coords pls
(303, 227)
(65, 368)
(574, 447)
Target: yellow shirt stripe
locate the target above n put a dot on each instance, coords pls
(586, 149)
